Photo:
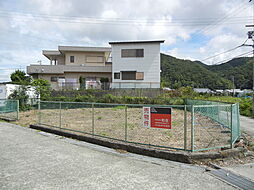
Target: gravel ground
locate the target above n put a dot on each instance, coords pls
(31, 159)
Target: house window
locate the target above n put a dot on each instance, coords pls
(116, 75)
(128, 75)
(140, 76)
(139, 52)
(72, 59)
(132, 53)
(53, 79)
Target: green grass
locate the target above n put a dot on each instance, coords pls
(130, 126)
(1, 120)
(251, 145)
(245, 104)
(175, 123)
(118, 108)
(169, 134)
(103, 134)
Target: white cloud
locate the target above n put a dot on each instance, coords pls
(61, 22)
(109, 14)
(222, 43)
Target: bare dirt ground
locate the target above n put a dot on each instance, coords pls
(247, 142)
(110, 122)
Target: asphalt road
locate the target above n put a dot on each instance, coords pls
(247, 125)
(246, 170)
(32, 159)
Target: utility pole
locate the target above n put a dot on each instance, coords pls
(233, 81)
(251, 36)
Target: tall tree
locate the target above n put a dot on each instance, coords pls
(20, 77)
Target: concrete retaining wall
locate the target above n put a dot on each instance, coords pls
(179, 156)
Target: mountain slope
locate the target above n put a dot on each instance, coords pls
(239, 68)
(180, 72)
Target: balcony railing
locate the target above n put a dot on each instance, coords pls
(60, 69)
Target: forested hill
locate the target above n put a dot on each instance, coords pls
(179, 72)
(239, 68)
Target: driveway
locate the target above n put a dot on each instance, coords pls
(31, 159)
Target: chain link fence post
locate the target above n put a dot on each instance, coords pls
(218, 111)
(93, 118)
(231, 126)
(39, 112)
(126, 125)
(238, 121)
(84, 120)
(17, 109)
(192, 128)
(185, 127)
(60, 115)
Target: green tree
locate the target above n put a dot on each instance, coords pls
(19, 77)
(42, 88)
(21, 95)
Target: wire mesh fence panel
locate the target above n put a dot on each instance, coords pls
(173, 137)
(76, 116)
(202, 102)
(198, 127)
(210, 127)
(136, 132)
(187, 142)
(9, 109)
(109, 120)
(49, 114)
(160, 137)
(235, 123)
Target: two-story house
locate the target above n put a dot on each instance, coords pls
(136, 64)
(73, 67)
(131, 64)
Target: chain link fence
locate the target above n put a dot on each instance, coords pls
(9, 109)
(195, 127)
(215, 124)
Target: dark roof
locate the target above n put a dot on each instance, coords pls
(135, 42)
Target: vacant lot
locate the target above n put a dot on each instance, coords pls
(110, 122)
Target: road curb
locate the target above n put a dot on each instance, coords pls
(7, 119)
(179, 156)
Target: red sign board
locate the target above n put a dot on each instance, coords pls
(157, 117)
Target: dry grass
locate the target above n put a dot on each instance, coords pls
(110, 122)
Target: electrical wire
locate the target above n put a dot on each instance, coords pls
(232, 49)
(220, 21)
(228, 59)
(233, 12)
(70, 19)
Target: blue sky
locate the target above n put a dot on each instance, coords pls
(193, 29)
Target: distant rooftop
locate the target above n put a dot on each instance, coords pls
(136, 42)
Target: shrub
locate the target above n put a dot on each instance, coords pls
(42, 88)
(85, 98)
(21, 95)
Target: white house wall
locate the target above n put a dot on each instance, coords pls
(149, 64)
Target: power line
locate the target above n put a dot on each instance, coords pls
(233, 12)
(225, 51)
(87, 20)
(238, 56)
(145, 20)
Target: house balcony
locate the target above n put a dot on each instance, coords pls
(60, 69)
